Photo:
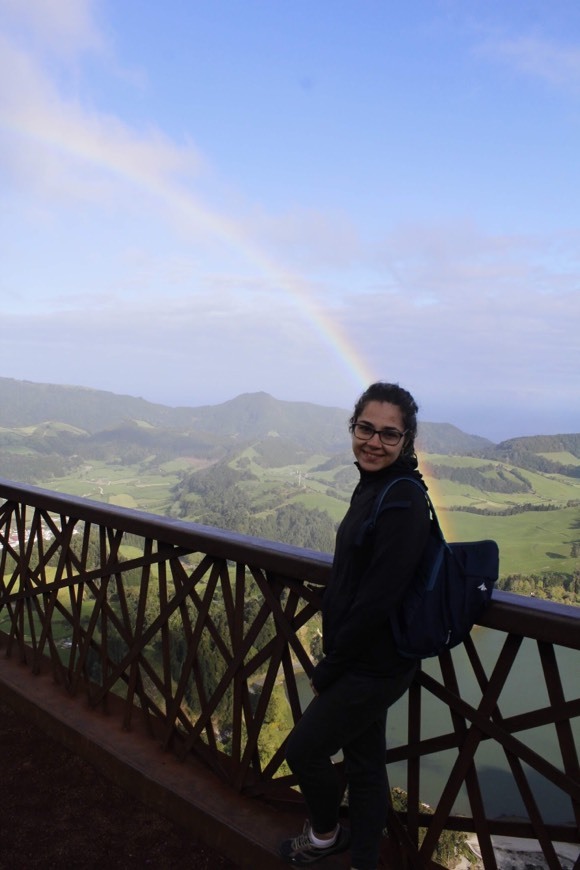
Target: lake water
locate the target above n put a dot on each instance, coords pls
(523, 691)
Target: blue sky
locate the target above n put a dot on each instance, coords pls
(202, 199)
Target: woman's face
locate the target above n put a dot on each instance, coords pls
(373, 455)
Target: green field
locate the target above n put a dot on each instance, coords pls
(530, 542)
(125, 486)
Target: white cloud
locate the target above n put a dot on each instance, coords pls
(65, 27)
(460, 261)
(307, 238)
(539, 57)
(65, 151)
(502, 313)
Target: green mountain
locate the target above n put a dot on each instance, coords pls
(550, 444)
(248, 417)
(551, 454)
(24, 403)
(447, 439)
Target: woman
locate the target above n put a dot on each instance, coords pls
(361, 675)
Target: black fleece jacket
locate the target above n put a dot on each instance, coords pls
(370, 577)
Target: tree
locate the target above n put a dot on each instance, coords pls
(296, 525)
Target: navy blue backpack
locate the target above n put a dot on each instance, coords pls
(452, 588)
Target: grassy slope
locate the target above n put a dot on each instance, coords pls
(529, 542)
(130, 485)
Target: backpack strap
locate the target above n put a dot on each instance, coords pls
(369, 526)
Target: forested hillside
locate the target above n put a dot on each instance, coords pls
(555, 454)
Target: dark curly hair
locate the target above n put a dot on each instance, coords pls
(396, 395)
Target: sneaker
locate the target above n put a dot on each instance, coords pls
(301, 850)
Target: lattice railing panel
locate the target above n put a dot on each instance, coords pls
(476, 718)
(206, 646)
(204, 634)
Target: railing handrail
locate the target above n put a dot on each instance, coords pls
(544, 620)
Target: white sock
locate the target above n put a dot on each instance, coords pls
(324, 844)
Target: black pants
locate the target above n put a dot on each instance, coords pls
(350, 715)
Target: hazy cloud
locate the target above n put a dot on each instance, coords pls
(538, 57)
(65, 27)
(68, 151)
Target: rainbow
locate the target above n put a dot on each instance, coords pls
(86, 142)
(87, 147)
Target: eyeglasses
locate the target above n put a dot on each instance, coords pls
(388, 437)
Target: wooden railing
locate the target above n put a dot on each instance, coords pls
(208, 635)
